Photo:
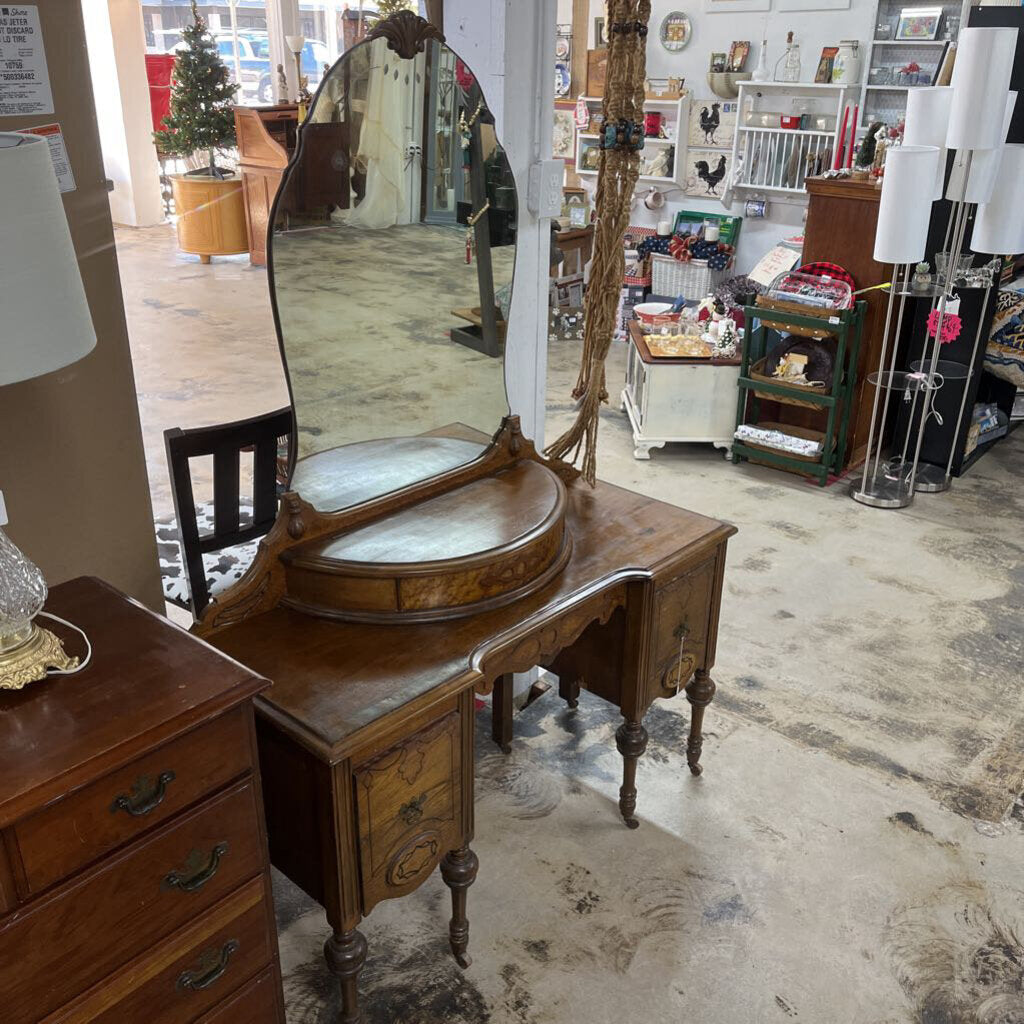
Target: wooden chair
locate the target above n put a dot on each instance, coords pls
(225, 442)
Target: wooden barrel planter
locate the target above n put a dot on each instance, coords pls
(211, 215)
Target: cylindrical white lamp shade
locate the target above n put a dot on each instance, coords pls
(927, 122)
(905, 208)
(295, 43)
(44, 316)
(999, 223)
(984, 166)
(981, 79)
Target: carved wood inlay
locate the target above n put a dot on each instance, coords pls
(407, 33)
(414, 859)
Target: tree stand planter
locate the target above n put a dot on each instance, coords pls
(211, 215)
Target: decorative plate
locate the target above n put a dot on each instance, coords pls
(562, 48)
(675, 31)
(562, 78)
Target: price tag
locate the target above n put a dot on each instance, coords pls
(58, 153)
(24, 77)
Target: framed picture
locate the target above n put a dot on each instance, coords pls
(919, 23)
(712, 123)
(599, 40)
(824, 73)
(563, 139)
(706, 171)
(675, 31)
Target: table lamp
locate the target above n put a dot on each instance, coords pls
(44, 325)
(295, 45)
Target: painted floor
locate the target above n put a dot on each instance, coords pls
(854, 851)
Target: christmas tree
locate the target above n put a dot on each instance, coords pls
(385, 8)
(201, 117)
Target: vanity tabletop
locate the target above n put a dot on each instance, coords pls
(334, 681)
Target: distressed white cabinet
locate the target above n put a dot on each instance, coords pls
(678, 399)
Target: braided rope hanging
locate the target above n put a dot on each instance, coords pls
(619, 167)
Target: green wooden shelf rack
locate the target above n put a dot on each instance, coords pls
(845, 328)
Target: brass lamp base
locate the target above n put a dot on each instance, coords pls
(29, 660)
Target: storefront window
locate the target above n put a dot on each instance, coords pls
(240, 28)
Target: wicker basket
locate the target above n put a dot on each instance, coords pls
(757, 373)
(672, 277)
(787, 428)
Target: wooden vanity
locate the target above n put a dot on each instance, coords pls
(410, 571)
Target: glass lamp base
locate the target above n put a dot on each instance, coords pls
(30, 660)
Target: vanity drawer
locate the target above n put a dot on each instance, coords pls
(80, 828)
(84, 932)
(197, 968)
(682, 615)
(409, 810)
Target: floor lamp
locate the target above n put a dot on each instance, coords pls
(900, 239)
(978, 121)
(44, 325)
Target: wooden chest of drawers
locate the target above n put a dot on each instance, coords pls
(134, 879)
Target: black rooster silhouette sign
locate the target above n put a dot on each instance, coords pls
(712, 178)
(710, 123)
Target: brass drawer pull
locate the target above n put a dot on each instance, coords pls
(144, 797)
(411, 812)
(194, 875)
(203, 976)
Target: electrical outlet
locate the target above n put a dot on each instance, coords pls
(544, 188)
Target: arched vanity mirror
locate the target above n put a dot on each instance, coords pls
(391, 257)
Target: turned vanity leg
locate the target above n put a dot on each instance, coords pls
(458, 869)
(631, 740)
(699, 692)
(501, 712)
(345, 953)
(569, 691)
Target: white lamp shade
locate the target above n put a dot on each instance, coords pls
(999, 223)
(295, 43)
(905, 208)
(44, 316)
(981, 79)
(984, 166)
(927, 123)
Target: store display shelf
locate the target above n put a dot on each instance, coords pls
(911, 42)
(649, 140)
(824, 133)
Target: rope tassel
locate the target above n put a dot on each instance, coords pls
(618, 170)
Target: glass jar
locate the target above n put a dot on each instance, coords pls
(846, 64)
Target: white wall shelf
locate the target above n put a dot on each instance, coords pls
(778, 161)
(677, 118)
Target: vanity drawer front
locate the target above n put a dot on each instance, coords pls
(682, 614)
(408, 804)
(79, 829)
(84, 932)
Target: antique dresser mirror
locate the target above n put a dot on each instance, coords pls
(391, 257)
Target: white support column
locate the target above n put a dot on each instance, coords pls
(492, 36)
(117, 48)
(519, 35)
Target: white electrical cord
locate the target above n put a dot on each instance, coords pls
(88, 648)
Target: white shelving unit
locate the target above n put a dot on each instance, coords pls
(888, 102)
(777, 161)
(677, 116)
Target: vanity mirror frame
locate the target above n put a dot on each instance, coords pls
(407, 35)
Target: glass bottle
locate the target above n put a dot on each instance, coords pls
(787, 68)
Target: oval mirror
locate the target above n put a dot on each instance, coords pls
(391, 255)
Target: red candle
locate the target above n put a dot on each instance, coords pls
(838, 162)
(853, 135)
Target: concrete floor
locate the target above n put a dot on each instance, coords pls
(853, 851)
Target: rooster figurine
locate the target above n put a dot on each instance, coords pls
(711, 178)
(710, 123)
